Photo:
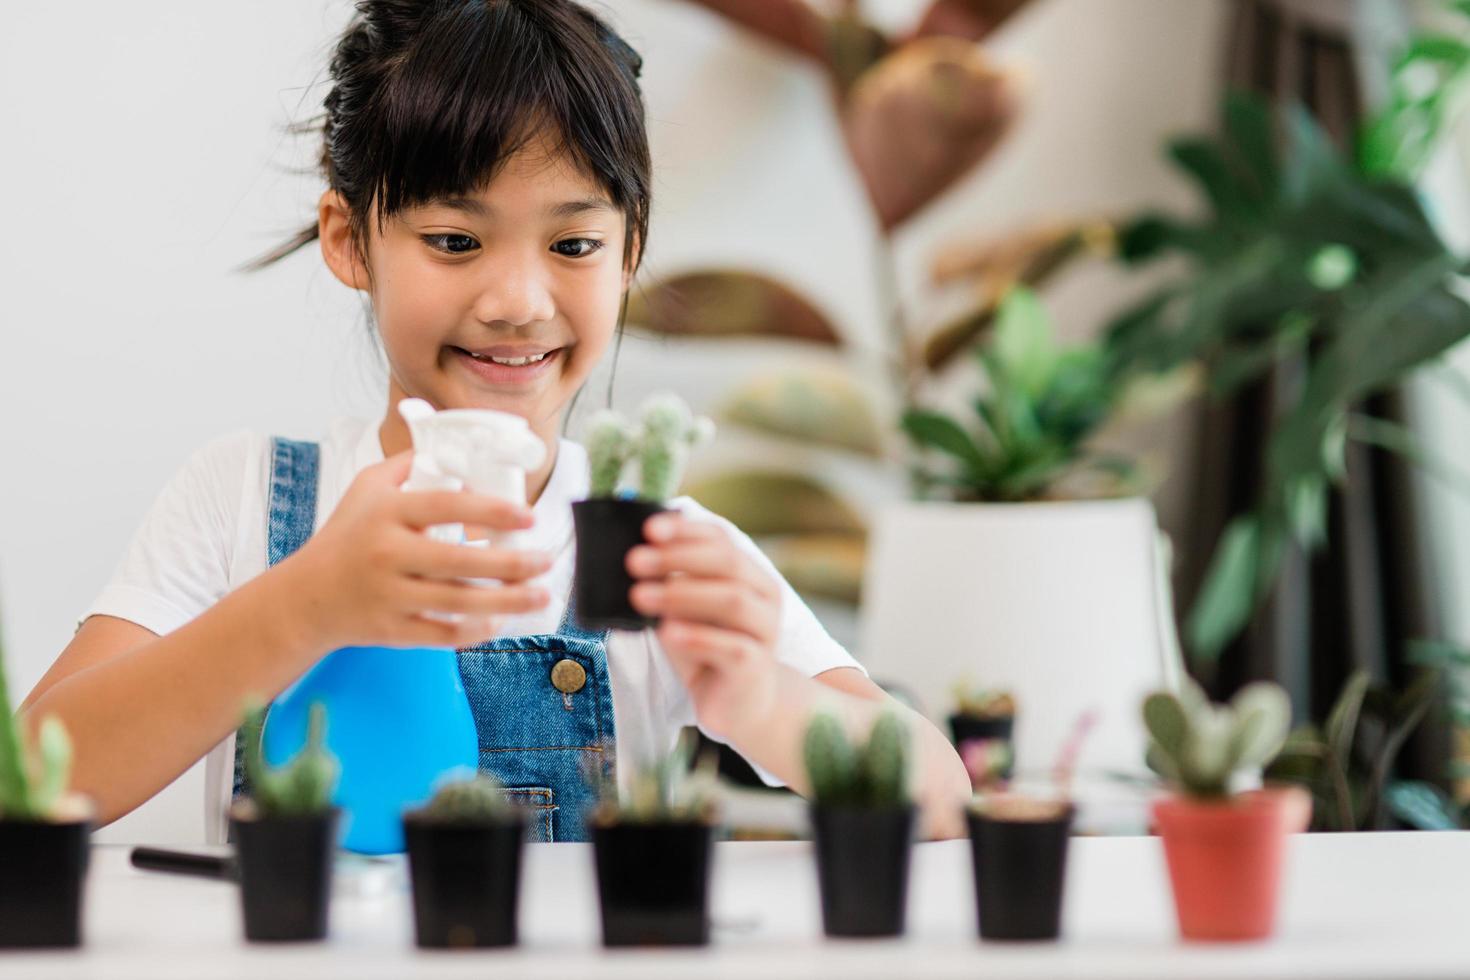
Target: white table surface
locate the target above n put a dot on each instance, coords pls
(1355, 905)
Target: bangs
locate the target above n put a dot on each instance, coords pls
(486, 77)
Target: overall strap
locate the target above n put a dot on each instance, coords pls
(293, 496)
(292, 518)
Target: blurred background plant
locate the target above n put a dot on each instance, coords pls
(918, 111)
(1308, 257)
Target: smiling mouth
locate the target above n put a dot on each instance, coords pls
(497, 369)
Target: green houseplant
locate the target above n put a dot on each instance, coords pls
(44, 834)
(610, 521)
(464, 859)
(652, 843)
(1308, 256)
(862, 824)
(1224, 848)
(285, 834)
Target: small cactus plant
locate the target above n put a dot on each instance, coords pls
(477, 799)
(660, 445)
(875, 774)
(300, 787)
(666, 790)
(1198, 746)
(33, 780)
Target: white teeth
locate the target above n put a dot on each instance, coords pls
(510, 361)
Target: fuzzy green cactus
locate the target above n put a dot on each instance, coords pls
(32, 781)
(660, 443)
(477, 799)
(979, 702)
(842, 774)
(610, 442)
(302, 786)
(1199, 746)
(669, 431)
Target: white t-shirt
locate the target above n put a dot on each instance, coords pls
(206, 535)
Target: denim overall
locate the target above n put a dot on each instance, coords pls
(542, 704)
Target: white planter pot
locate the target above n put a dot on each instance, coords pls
(1066, 604)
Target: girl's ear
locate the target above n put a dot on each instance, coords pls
(630, 267)
(334, 229)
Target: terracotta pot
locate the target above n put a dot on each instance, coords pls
(1225, 859)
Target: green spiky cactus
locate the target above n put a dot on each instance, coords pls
(32, 781)
(876, 774)
(610, 441)
(302, 786)
(664, 790)
(669, 431)
(478, 799)
(1199, 746)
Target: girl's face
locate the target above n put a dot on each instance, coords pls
(504, 299)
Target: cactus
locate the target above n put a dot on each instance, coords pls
(842, 774)
(660, 443)
(663, 791)
(33, 781)
(669, 432)
(302, 786)
(477, 799)
(610, 442)
(1199, 746)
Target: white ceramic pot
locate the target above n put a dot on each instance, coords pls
(1066, 604)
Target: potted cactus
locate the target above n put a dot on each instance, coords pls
(464, 860)
(862, 824)
(1224, 848)
(44, 834)
(1018, 845)
(610, 521)
(982, 726)
(285, 834)
(652, 847)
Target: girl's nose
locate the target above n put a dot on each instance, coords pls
(515, 295)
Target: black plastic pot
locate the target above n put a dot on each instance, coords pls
(653, 882)
(466, 881)
(43, 873)
(607, 529)
(863, 868)
(285, 874)
(1020, 871)
(964, 728)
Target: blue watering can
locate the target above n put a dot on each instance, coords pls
(398, 718)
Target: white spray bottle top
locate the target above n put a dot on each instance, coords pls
(474, 449)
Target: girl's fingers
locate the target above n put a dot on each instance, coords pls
(474, 600)
(703, 646)
(423, 508)
(438, 559)
(716, 602)
(703, 559)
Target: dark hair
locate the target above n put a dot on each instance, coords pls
(430, 98)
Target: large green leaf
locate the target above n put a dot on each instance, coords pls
(1022, 349)
(821, 407)
(933, 430)
(1423, 806)
(771, 503)
(1229, 592)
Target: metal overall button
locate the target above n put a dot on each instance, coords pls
(568, 676)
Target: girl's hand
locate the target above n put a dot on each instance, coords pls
(370, 572)
(720, 615)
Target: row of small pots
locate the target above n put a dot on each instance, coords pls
(1224, 862)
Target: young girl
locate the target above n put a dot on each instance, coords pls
(488, 188)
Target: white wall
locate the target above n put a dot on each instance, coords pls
(145, 159)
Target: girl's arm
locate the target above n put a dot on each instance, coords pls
(720, 616)
(142, 708)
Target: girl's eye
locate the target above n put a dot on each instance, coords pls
(577, 248)
(452, 244)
